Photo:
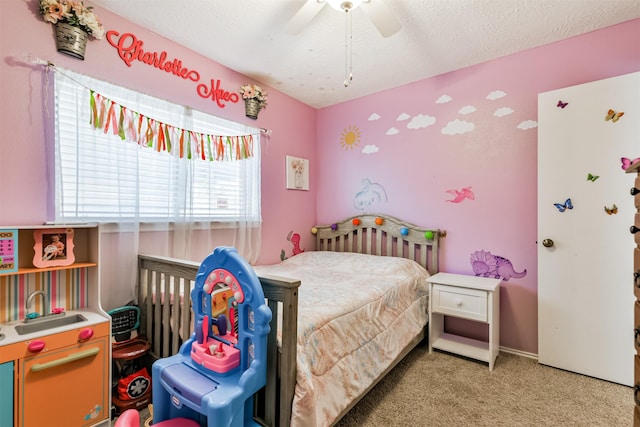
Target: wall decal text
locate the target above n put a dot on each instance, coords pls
(130, 49)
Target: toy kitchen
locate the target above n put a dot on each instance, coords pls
(54, 336)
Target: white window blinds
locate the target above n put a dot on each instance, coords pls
(100, 177)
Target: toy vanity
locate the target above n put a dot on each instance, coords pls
(217, 371)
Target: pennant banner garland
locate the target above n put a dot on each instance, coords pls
(132, 126)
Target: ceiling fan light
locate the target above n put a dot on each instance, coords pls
(344, 5)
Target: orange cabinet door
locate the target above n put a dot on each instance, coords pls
(68, 386)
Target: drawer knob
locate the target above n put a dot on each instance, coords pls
(36, 346)
(459, 302)
(634, 191)
(636, 392)
(85, 334)
(636, 278)
(547, 243)
(633, 229)
(636, 333)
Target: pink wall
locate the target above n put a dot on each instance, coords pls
(412, 166)
(26, 123)
(415, 161)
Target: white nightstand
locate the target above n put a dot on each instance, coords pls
(466, 297)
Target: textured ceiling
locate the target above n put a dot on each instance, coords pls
(437, 36)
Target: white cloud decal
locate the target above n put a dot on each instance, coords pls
(501, 112)
(421, 121)
(402, 117)
(467, 109)
(528, 124)
(496, 94)
(374, 116)
(458, 127)
(370, 149)
(444, 99)
(392, 131)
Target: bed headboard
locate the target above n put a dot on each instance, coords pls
(376, 234)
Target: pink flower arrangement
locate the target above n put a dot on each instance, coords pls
(250, 91)
(73, 12)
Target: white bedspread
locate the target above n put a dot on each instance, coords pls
(356, 313)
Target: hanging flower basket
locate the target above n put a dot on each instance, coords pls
(74, 23)
(71, 40)
(255, 99)
(251, 108)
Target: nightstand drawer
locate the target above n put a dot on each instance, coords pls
(460, 302)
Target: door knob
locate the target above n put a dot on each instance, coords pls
(547, 243)
(634, 191)
(633, 229)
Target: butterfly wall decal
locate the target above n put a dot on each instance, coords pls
(612, 210)
(564, 206)
(592, 178)
(562, 104)
(626, 162)
(613, 116)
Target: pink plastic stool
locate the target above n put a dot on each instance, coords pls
(131, 418)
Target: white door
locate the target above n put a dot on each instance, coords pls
(585, 279)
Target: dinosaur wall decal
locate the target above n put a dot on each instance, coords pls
(485, 264)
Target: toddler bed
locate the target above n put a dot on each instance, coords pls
(343, 316)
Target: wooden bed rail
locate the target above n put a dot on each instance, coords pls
(282, 292)
(164, 287)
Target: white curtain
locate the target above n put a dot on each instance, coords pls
(129, 202)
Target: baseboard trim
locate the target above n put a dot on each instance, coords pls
(519, 352)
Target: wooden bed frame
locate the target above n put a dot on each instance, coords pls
(167, 324)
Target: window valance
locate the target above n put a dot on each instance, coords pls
(132, 126)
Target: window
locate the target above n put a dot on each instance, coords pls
(99, 177)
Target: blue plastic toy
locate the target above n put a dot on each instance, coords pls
(213, 378)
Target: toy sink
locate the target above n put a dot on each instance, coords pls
(45, 323)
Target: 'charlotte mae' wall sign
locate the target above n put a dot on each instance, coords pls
(129, 49)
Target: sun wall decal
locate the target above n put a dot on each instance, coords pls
(350, 137)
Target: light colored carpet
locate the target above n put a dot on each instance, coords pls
(439, 390)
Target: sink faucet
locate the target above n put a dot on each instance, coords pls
(45, 301)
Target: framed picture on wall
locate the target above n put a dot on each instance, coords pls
(53, 247)
(297, 173)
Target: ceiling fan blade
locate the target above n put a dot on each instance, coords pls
(304, 16)
(382, 17)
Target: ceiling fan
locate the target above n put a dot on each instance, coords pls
(380, 15)
(378, 12)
